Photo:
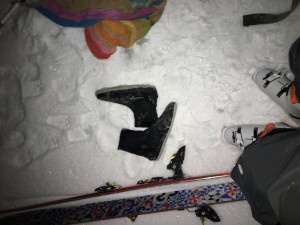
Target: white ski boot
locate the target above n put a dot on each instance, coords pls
(276, 84)
(244, 135)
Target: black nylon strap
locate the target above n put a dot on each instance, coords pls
(294, 60)
(264, 18)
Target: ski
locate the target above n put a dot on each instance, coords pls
(113, 188)
(117, 190)
(131, 207)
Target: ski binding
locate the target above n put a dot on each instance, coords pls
(107, 187)
(206, 211)
(175, 165)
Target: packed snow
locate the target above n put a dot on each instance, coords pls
(58, 140)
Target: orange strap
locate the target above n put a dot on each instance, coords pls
(293, 96)
(267, 130)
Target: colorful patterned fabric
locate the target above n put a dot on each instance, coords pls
(107, 23)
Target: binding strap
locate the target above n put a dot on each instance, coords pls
(294, 60)
(264, 18)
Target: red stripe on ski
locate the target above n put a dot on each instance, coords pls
(131, 207)
(118, 190)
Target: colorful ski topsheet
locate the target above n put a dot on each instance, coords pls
(118, 190)
(210, 194)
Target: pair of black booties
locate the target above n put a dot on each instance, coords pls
(142, 100)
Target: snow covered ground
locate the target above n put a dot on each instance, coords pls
(57, 139)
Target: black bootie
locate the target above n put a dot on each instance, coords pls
(150, 142)
(141, 99)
